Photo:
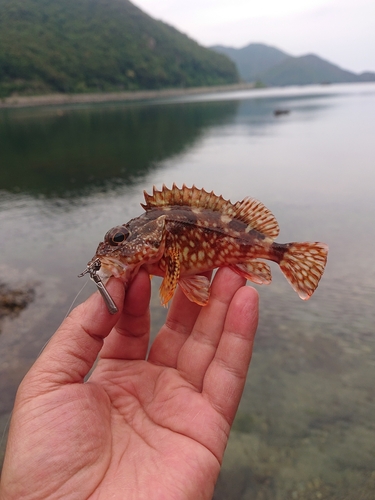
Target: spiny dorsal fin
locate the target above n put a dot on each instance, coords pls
(190, 197)
(250, 211)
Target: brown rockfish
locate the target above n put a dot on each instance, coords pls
(187, 231)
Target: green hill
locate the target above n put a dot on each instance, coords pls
(259, 62)
(98, 45)
(308, 69)
(253, 59)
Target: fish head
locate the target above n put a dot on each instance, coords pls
(126, 248)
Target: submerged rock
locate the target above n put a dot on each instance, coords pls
(14, 300)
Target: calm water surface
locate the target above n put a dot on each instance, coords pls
(306, 424)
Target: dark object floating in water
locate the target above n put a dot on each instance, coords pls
(279, 112)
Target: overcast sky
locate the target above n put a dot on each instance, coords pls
(341, 31)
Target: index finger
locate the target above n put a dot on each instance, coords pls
(130, 336)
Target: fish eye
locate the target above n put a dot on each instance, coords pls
(117, 235)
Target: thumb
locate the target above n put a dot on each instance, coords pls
(73, 349)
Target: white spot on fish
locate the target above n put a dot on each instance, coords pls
(225, 219)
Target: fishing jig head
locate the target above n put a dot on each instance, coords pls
(92, 269)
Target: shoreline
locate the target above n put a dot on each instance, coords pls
(126, 96)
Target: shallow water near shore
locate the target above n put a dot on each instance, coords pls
(305, 428)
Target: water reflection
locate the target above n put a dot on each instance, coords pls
(69, 151)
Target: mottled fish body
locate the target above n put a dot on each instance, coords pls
(187, 231)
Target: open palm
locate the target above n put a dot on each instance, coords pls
(145, 425)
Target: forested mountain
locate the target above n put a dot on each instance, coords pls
(262, 63)
(98, 45)
(253, 59)
(306, 70)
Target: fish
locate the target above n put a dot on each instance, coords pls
(185, 232)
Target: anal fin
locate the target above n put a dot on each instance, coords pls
(196, 288)
(256, 271)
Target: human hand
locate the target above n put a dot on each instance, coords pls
(142, 426)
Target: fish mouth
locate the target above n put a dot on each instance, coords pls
(113, 267)
(93, 268)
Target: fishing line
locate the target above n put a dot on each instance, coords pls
(74, 300)
(6, 427)
(66, 315)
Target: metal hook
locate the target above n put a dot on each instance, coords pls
(93, 268)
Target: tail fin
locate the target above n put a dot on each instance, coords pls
(303, 266)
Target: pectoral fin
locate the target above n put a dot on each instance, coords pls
(172, 275)
(196, 288)
(255, 271)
